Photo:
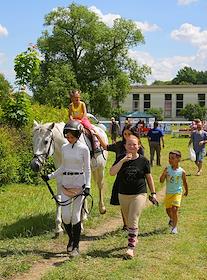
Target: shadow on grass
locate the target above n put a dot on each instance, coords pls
(28, 227)
(120, 231)
(111, 253)
(154, 232)
(44, 254)
(115, 252)
(100, 236)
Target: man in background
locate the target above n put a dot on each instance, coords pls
(114, 130)
(155, 137)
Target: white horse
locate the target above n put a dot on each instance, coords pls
(47, 141)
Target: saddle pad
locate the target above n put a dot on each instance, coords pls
(72, 192)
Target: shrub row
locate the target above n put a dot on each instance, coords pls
(16, 149)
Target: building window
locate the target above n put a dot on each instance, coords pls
(146, 102)
(135, 102)
(179, 104)
(201, 99)
(168, 106)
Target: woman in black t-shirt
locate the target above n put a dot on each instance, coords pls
(133, 171)
(119, 149)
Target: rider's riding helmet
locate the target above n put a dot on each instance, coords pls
(74, 127)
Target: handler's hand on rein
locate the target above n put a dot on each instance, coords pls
(86, 191)
(45, 178)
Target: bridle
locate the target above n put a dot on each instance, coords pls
(45, 155)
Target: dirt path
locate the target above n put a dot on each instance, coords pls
(43, 266)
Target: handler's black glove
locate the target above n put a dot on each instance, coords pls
(153, 200)
(45, 178)
(86, 191)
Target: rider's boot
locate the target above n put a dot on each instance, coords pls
(76, 239)
(68, 228)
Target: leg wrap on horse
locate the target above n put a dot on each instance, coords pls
(132, 237)
(76, 235)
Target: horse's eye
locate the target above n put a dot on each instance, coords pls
(46, 141)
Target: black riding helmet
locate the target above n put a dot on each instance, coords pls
(74, 127)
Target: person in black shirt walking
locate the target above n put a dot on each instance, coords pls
(132, 170)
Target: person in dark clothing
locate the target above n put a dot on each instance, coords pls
(155, 136)
(114, 130)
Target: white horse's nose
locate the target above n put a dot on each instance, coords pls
(35, 165)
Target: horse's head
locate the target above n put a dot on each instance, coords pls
(43, 144)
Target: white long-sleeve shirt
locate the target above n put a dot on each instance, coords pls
(75, 158)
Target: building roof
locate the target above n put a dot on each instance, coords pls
(169, 86)
(137, 114)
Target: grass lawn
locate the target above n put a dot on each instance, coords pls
(27, 223)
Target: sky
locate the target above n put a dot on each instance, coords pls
(175, 31)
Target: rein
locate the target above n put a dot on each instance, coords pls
(69, 201)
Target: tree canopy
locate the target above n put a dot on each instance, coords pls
(78, 50)
(194, 111)
(5, 88)
(187, 75)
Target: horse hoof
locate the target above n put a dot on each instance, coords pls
(102, 211)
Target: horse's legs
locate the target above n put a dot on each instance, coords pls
(98, 175)
(58, 220)
(84, 214)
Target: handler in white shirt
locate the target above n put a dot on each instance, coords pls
(76, 176)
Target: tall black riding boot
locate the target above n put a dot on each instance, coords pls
(76, 239)
(68, 228)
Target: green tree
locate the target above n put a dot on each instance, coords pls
(161, 83)
(5, 88)
(157, 113)
(52, 87)
(27, 67)
(187, 75)
(194, 111)
(17, 110)
(92, 56)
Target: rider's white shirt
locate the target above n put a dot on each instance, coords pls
(75, 158)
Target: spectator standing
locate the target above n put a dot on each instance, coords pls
(155, 137)
(114, 130)
(199, 139)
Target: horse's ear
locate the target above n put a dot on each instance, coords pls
(35, 124)
(51, 126)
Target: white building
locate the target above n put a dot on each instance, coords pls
(171, 98)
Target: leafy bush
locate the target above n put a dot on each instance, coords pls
(157, 113)
(43, 113)
(16, 149)
(25, 155)
(17, 110)
(9, 161)
(194, 111)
